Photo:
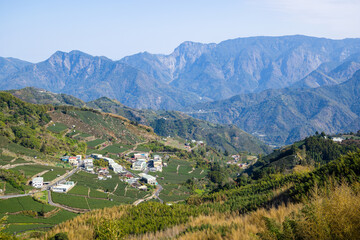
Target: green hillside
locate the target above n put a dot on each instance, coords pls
(165, 123)
(171, 123)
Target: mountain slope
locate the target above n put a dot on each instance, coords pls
(284, 116)
(164, 123)
(243, 65)
(172, 123)
(89, 77)
(10, 65)
(41, 96)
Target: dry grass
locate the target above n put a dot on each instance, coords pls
(237, 226)
(82, 226)
(333, 213)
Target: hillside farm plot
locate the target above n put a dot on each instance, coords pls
(70, 200)
(56, 218)
(9, 189)
(20, 222)
(82, 135)
(58, 128)
(18, 149)
(17, 228)
(98, 194)
(117, 148)
(32, 170)
(79, 190)
(104, 190)
(51, 175)
(4, 160)
(175, 174)
(94, 143)
(22, 203)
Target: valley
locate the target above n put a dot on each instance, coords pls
(249, 138)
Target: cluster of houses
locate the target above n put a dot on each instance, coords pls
(187, 144)
(134, 181)
(117, 168)
(142, 161)
(237, 160)
(73, 160)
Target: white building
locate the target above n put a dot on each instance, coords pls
(157, 157)
(73, 161)
(116, 168)
(148, 178)
(96, 156)
(38, 182)
(139, 165)
(88, 163)
(63, 188)
(337, 139)
(141, 156)
(78, 158)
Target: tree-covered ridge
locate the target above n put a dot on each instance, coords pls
(25, 124)
(311, 152)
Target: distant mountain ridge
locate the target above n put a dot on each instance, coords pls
(193, 72)
(287, 115)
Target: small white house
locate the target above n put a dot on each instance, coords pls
(38, 182)
(63, 188)
(141, 156)
(116, 168)
(73, 161)
(337, 139)
(148, 178)
(139, 165)
(96, 156)
(88, 162)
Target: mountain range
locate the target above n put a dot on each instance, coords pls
(284, 116)
(193, 72)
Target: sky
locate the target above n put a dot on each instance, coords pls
(34, 30)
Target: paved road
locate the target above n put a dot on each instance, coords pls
(61, 178)
(14, 196)
(154, 195)
(160, 188)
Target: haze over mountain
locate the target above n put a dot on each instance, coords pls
(194, 72)
(284, 116)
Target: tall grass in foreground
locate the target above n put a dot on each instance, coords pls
(82, 227)
(333, 213)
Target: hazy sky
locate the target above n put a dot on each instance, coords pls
(33, 30)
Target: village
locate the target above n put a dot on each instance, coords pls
(140, 162)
